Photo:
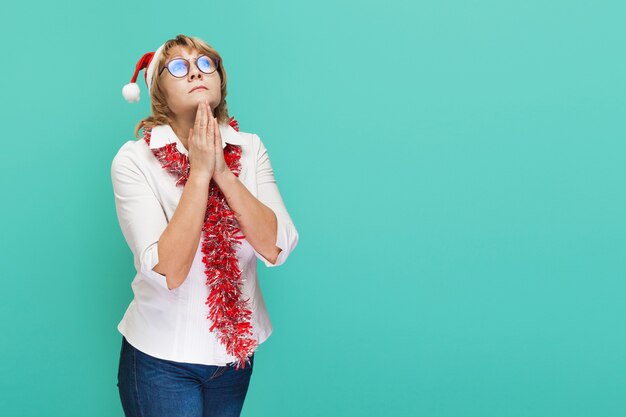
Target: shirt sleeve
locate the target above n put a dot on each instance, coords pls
(140, 215)
(268, 194)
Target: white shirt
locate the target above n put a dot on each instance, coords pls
(173, 324)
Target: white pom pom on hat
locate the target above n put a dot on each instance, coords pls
(148, 61)
(131, 92)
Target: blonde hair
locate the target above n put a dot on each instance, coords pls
(161, 113)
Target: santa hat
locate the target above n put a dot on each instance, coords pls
(148, 62)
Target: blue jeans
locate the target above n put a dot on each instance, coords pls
(152, 387)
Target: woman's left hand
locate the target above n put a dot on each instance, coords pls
(221, 169)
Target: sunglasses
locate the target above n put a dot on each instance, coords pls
(179, 67)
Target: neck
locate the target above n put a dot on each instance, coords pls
(181, 124)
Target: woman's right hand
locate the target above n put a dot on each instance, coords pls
(201, 145)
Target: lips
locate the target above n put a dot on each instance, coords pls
(200, 87)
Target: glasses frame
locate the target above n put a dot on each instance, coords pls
(195, 60)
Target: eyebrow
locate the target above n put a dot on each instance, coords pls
(180, 56)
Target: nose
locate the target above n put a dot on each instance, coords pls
(194, 73)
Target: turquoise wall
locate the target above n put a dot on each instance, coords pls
(455, 171)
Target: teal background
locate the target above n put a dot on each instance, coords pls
(455, 171)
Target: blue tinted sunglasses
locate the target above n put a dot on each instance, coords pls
(179, 67)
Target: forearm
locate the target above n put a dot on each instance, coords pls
(257, 221)
(179, 241)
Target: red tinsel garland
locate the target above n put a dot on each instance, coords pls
(221, 235)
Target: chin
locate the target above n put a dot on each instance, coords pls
(198, 98)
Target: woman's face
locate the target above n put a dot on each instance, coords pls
(180, 99)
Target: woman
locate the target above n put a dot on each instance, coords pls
(197, 203)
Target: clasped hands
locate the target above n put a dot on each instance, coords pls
(206, 155)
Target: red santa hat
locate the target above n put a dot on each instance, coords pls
(148, 62)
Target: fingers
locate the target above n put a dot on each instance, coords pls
(210, 127)
(218, 135)
(209, 112)
(200, 124)
(213, 131)
(206, 128)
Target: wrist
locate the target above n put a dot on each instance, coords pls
(198, 176)
(224, 177)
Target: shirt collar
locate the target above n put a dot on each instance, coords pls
(163, 134)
